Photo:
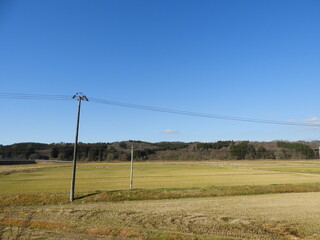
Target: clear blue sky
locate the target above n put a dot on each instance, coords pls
(254, 59)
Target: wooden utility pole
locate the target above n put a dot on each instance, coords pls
(79, 97)
(131, 169)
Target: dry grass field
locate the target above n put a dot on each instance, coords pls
(171, 200)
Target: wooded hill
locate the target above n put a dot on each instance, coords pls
(121, 151)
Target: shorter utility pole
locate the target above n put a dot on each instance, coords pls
(79, 97)
(131, 169)
(319, 152)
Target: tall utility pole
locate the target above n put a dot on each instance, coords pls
(131, 169)
(80, 97)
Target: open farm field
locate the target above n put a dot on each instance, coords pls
(100, 176)
(171, 200)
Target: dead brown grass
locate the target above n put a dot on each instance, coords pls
(33, 224)
(79, 232)
(108, 231)
(270, 217)
(154, 194)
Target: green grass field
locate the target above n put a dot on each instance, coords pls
(53, 177)
(171, 200)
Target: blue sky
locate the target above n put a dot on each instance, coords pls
(251, 59)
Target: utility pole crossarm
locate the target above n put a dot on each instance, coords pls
(80, 96)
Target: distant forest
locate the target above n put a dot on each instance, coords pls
(121, 151)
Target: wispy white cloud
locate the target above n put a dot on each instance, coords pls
(170, 131)
(313, 121)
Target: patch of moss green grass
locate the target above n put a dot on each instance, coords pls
(153, 194)
(309, 170)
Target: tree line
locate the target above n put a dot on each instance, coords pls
(223, 150)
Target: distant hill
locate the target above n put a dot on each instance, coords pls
(120, 151)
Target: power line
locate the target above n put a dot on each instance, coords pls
(204, 115)
(34, 96)
(155, 109)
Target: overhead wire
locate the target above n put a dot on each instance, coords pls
(204, 115)
(28, 96)
(156, 109)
